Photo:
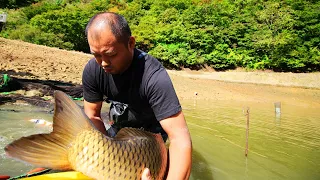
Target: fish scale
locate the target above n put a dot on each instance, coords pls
(116, 155)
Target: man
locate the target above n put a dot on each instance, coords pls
(138, 87)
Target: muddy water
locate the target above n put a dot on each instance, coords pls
(13, 125)
(285, 146)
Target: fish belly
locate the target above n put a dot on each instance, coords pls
(104, 158)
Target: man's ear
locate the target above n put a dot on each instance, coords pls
(132, 42)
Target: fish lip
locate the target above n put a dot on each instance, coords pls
(6, 149)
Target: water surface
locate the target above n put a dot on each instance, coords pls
(280, 147)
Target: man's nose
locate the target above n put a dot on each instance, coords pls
(105, 61)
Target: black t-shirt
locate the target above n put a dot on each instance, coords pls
(145, 86)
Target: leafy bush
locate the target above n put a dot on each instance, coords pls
(34, 35)
(176, 55)
(70, 21)
(222, 58)
(40, 8)
(16, 3)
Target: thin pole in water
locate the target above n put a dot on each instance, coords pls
(247, 132)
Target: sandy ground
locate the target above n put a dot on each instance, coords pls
(27, 60)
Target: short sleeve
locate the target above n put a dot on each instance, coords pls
(91, 90)
(162, 96)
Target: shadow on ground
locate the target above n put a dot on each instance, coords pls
(43, 89)
(14, 73)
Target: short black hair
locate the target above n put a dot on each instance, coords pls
(117, 23)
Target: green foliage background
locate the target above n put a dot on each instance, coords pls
(282, 35)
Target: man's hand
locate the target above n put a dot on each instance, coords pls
(146, 174)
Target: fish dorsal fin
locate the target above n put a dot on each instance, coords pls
(68, 117)
(51, 150)
(133, 133)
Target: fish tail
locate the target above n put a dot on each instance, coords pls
(51, 150)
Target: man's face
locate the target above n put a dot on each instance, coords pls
(113, 56)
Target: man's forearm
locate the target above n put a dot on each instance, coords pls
(99, 124)
(93, 111)
(180, 151)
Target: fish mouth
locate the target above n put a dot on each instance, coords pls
(6, 150)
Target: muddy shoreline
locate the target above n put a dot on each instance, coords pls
(30, 61)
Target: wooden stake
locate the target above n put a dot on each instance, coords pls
(247, 132)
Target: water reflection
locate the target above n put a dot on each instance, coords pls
(277, 107)
(200, 167)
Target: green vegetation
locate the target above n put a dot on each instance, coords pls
(282, 35)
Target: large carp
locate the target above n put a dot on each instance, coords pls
(75, 144)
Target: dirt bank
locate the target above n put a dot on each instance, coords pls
(27, 60)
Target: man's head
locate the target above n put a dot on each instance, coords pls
(110, 41)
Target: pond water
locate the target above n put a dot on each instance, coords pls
(280, 147)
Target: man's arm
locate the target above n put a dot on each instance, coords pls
(180, 148)
(93, 111)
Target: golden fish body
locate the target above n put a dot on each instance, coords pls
(76, 144)
(106, 158)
